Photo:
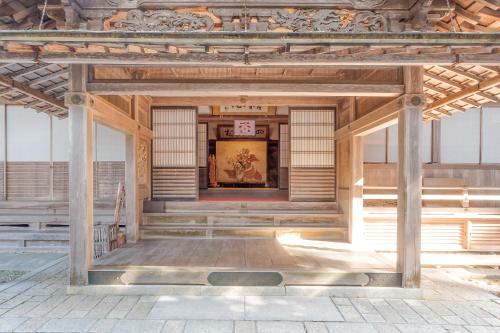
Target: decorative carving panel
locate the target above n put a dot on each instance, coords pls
(254, 19)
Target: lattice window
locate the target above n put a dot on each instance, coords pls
(202, 145)
(174, 142)
(312, 138)
(284, 146)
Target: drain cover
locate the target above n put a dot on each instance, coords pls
(245, 278)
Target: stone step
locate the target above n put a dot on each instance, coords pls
(212, 276)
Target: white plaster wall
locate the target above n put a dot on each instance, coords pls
(60, 139)
(2, 132)
(374, 147)
(460, 137)
(491, 135)
(28, 134)
(425, 144)
(109, 144)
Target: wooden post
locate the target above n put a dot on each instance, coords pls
(410, 178)
(80, 177)
(131, 204)
(356, 222)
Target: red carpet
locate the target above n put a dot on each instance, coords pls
(235, 198)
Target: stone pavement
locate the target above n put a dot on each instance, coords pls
(39, 303)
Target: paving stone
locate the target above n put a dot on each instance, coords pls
(315, 327)
(410, 328)
(244, 326)
(426, 313)
(134, 326)
(31, 325)
(351, 327)
(455, 329)
(174, 326)
(67, 325)
(140, 310)
(350, 313)
(9, 324)
(454, 320)
(21, 309)
(483, 329)
(103, 325)
(103, 308)
(386, 328)
(45, 307)
(406, 312)
(280, 327)
(199, 307)
(373, 318)
(123, 307)
(386, 311)
(291, 308)
(209, 326)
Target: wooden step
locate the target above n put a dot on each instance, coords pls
(183, 206)
(323, 231)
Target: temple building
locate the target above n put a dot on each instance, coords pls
(253, 143)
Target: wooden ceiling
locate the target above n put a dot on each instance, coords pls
(472, 16)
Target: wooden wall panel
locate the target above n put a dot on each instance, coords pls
(28, 180)
(170, 183)
(312, 184)
(312, 155)
(107, 176)
(60, 181)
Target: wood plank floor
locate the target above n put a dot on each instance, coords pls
(247, 254)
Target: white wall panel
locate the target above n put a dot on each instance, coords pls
(109, 144)
(460, 137)
(491, 135)
(60, 139)
(28, 134)
(374, 147)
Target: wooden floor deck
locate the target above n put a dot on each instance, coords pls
(247, 254)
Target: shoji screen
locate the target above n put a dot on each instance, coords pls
(312, 155)
(284, 156)
(203, 154)
(174, 153)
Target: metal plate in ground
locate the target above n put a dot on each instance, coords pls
(245, 279)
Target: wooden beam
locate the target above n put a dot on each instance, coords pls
(27, 90)
(108, 114)
(444, 80)
(249, 38)
(469, 91)
(245, 100)
(410, 180)
(381, 117)
(81, 179)
(216, 88)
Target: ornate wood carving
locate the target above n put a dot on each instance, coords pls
(164, 20)
(255, 19)
(326, 20)
(142, 164)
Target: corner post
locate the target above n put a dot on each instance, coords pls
(410, 178)
(131, 203)
(81, 197)
(356, 222)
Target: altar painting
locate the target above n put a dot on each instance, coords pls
(242, 162)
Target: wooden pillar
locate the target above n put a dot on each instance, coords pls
(436, 141)
(80, 177)
(356, 223)
(410, 178)
(131, 202)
